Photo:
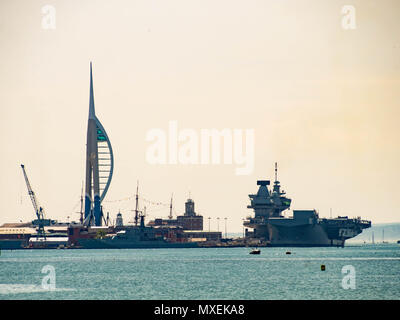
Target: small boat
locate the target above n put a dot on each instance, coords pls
(255, 251)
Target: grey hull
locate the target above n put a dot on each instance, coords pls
(13, 244)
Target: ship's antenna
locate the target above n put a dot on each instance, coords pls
(137, 203)
(276, 171)
(170, 208)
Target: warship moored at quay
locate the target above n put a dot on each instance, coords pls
(304, 228)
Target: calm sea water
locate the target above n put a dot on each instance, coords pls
(212, 273)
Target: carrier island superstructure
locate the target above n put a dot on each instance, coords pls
(304, 228)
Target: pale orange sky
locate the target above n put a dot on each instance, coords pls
(323, 101)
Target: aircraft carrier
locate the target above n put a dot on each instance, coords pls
(304, 228)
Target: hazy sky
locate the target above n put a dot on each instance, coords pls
(323, 102)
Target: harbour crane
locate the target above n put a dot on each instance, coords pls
(38, 210)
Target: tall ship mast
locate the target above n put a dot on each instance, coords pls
(304, 228)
